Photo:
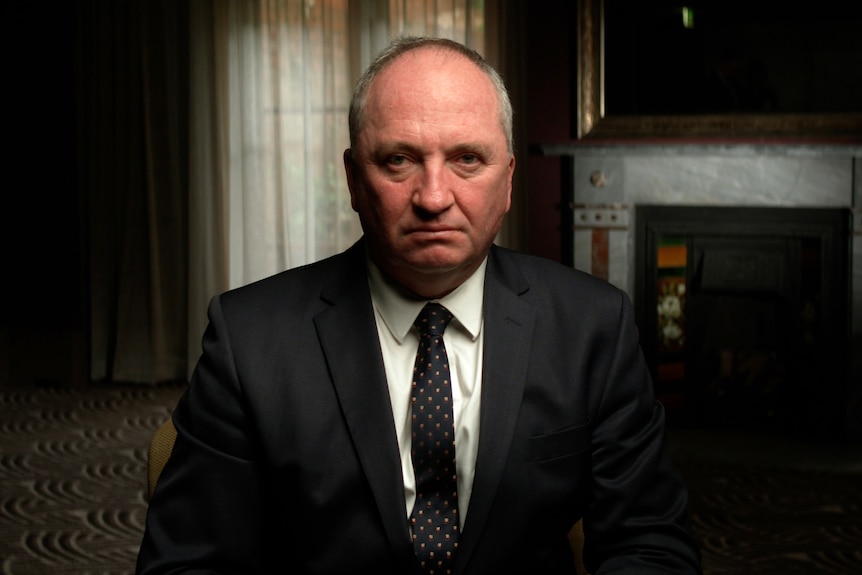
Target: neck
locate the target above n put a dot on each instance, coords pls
(426, 286)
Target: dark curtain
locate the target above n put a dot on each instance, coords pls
(133, 111)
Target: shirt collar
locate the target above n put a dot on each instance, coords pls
(399, 310)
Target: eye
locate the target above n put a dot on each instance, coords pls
(396, 160)
(469, 159)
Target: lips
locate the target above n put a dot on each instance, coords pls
(432, 231)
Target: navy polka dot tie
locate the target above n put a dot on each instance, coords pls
(434, 521)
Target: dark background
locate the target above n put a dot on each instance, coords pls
(739, 56)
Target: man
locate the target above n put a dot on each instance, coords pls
(295, 450)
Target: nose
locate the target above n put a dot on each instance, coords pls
(434, 192)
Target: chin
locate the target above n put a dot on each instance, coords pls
(437, 265)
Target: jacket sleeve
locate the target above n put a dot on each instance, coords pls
(638, 520)
(205, 515)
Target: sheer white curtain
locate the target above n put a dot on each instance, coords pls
(271, 83)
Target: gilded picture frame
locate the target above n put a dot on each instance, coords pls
(592, 123)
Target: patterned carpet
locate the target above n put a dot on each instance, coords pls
(73, 469)
(776, 521)
(73, 477)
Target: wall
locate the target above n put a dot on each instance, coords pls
(549, 48)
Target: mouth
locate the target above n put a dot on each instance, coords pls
(432, 232)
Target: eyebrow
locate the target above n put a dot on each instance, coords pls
(388, 148)
(473, 147)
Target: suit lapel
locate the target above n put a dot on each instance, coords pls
(508, 330)
(349, 338)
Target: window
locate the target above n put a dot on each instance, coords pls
(282, 75)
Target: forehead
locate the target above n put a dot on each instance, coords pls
(432, 78)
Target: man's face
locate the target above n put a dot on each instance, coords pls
(430, 174)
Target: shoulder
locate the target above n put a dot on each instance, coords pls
(302, 286)
(525, 272)
(559, 294)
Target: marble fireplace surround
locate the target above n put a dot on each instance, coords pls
(609, 181)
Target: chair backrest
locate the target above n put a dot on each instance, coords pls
(576, 541)
(162, 445)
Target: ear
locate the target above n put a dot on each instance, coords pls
(350, 172)
(511, 177)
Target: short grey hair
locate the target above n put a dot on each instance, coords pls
(404, 44)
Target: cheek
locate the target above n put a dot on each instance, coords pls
(487, 207)
(384, 202)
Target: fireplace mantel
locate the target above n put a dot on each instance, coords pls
(609, 181)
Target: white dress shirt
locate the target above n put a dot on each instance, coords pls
(395, 311)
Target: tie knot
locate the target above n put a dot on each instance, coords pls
(433, 319)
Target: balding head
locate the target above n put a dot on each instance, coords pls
(404, 45)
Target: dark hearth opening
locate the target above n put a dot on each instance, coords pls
(743, 315)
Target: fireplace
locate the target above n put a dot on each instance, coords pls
(744, 314)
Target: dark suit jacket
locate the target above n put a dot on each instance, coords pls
(286, 458)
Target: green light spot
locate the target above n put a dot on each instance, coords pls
(687, 17)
